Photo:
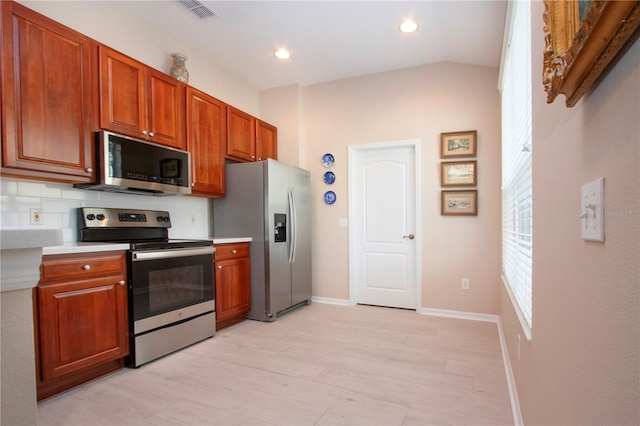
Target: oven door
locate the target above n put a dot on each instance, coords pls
(170, 285)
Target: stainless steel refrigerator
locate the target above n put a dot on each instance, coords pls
(270, 201)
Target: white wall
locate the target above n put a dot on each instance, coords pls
(414, 103)
(59, 203)
(582, 365)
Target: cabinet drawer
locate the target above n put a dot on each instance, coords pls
(74, 266)
(232, 251)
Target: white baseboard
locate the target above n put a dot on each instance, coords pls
(459, 314)
(511, 383)
(330, 301)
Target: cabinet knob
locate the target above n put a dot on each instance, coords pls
(121, 282)
(234, 251)
(193, 183)
(259, 158)
(253, 156)
(144, 132)
(89, 170)
(219, 266)
(86, 267)
(151, 134)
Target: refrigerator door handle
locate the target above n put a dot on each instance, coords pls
(293, 225)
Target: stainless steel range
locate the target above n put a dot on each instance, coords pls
(171, 282)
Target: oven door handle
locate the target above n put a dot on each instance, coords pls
(171, 253)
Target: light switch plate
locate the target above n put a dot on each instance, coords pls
(592, 210)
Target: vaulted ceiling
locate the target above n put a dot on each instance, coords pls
(330, 40)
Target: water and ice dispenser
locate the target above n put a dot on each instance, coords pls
(280, 231)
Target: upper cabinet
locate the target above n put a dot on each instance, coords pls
(59, 87)
(206, 141)
(249, 139)
(241, 135)
(139, 101)
(49, 98)
(266, 141)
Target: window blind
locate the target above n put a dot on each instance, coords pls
(516, 159)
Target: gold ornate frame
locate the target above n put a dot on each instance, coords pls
(576, 53)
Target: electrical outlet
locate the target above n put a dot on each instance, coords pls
(193, 219)
(465, 283)
(36, 216)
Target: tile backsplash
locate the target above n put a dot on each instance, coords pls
(58, 203)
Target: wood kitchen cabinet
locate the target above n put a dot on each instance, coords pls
(266, 141)
(81, 319)
(139, 101)
(249, 139)
(233, 284)
(49, 98)
(206, 141)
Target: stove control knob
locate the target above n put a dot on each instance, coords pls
(100, 217)
(91, 217)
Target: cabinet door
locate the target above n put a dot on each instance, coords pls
(233, 288)
(122, 94)
(48, 98)
(266, 141)
(165, 109)
(241, 135)
(82, 323)
(206, 140)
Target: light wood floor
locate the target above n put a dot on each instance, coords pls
(318, 365)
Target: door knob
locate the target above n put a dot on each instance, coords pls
(410, 236)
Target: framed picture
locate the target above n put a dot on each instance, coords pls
(458, 173)
(460, 203)
(582, 37)
(458, 144)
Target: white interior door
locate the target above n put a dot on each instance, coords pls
(383, 235)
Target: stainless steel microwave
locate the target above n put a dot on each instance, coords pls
(135, 166)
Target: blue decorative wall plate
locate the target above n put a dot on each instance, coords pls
(329, 178)
(327, 160)
(329, 197)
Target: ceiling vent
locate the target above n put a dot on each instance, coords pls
(196, 8)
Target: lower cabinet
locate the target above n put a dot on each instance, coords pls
(81, 320)
(233, 284)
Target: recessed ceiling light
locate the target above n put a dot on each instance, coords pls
(408, 26)
(282, 54)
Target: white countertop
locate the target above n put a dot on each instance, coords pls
(226, 240)
(22, 250)
(25, 238)
(78, 247)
